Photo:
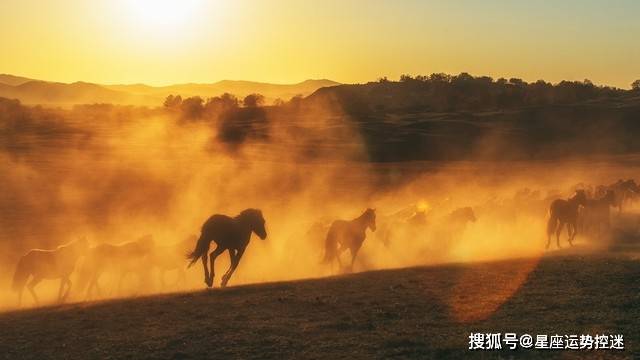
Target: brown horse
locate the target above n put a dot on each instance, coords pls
(624, 192)
(48, 264)
(563, 212)
(597, 213)
(350, 235)
(228, 233)
(132, 256)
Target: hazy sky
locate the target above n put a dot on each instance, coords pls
(163, 41)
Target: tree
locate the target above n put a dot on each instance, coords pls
(253, 100)
(172, 102)
(405, 78)
(635, 86)
(192, 107)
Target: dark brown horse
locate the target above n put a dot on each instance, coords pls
(350, 235)
(563, 212)
(228, 233)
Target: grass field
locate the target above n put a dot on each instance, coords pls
(424, 312)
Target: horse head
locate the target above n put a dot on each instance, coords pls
(370, 218)
(255, 221)
(580, 197)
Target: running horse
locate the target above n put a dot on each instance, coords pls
(350, 235)
(38, 265)
(232, 234)
(563, 212)
(124, 258)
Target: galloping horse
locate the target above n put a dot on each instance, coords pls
(132, 256)
(48, 264)
(565, 212)
(350, 235)
(228, 233)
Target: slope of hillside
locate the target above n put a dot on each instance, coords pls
(61, 94)
(12, 80)
(238, 88)
(30, 91)
(426, 312)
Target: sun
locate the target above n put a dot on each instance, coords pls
(158, 15)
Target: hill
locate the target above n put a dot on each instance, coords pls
(13, 80)
(426, 312)
(31, 91)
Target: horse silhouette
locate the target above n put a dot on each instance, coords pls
(171, 257)
(596, 213)
(132, 256)
(38, 264)
(232, 234)
(563, 212)
(343, 235)
(624, 191)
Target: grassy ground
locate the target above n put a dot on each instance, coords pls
(425, 312)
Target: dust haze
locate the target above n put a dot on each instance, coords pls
(114, 173)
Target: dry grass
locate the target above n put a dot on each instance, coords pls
(425, 312)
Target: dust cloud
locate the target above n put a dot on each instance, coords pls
(114, 174)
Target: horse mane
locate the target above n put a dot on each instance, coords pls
(367, 213)
(250, 212)
(70, 243)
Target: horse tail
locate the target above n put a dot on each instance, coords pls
(21, 275)
(202, 246)
(330, 244)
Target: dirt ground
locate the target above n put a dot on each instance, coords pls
(423, 312)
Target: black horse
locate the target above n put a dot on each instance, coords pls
(350, 235)
(228, 233)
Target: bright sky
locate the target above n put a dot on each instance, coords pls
(284, 41)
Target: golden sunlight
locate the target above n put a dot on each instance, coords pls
(163, 15)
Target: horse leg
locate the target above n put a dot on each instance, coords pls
(206, 270)
(354, 252)
(232, 256)
(558, 231)
(31, 285)
(212, 258)
(235, 260)
(62, 282)
(66, 293)
(572, 231)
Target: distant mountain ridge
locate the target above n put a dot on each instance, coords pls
(31, 91)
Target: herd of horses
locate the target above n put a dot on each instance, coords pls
(588, 207)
